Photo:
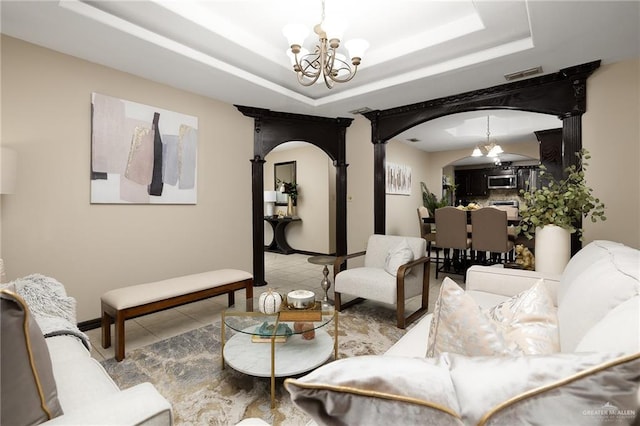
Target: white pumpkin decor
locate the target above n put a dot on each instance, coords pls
(270, 302)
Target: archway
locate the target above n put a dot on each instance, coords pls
(272, 128)
(562, 94)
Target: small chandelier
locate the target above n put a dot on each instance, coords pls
(491, 147)
(325, 60)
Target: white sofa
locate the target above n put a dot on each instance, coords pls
(598, 314)
(597, 298)
(86, 393)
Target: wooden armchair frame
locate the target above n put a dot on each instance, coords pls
(340, 264)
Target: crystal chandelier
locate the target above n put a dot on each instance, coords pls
(325, 60)
(491, 147)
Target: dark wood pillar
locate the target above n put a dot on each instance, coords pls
(257, 202)
(571, 144)
(379, 187)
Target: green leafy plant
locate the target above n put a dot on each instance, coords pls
(561, 202)
(290, 188)
(430, 201)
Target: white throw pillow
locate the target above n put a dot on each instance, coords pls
(460, 326)
(397, 257)
(525, 324)
(529, 321)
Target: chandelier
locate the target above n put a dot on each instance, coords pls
(491, 147)
(325, 60)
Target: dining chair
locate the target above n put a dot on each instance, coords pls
(490, 234)
(427, 231)
(451, 234)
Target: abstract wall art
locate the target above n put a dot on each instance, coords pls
(141, 154)
(398, 179)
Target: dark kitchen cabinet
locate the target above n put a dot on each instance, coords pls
(470, 183)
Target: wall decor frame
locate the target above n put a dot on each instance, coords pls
(141, 154)
(397, 179)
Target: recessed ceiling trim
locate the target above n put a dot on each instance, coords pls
(435, 69)
(120, 24)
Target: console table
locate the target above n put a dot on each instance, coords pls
(279, 243)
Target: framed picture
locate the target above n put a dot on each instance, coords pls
(398, 179)
(141, 154)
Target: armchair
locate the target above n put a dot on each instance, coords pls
(384, 277)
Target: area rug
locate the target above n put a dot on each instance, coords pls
(186, 370)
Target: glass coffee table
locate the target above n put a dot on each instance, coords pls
(283, 344)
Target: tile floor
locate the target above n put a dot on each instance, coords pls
(282, 273)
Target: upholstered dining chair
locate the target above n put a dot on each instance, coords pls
(490, 234)
(395, 269)
(426, 229)
(451, 234)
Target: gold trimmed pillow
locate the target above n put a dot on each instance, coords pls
(368, 390)
(560, 389)
(397, 257)
(29, 393)
(524, 324)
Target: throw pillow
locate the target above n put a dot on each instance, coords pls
(378, 390)
(524, 324)
(397, 257)
(560, 389)
(460, 326)
(25, 367)
(529, 321)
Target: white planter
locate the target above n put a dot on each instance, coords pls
(553, 249)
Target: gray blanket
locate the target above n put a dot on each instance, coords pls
(53, 310)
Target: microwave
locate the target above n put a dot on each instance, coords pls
(502, 182)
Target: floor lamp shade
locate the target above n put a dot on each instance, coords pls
(269, 199)
(8, 170)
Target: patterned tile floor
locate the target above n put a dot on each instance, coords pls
(283, 273)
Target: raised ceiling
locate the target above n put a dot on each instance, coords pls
(234, 51)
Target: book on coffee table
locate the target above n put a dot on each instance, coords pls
(310, 314)
(267, 339)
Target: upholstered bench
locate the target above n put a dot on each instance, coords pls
(129, 302)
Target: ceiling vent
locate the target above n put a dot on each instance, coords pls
(524, 73)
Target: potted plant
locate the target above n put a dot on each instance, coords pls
(553, 210)
(291, 189)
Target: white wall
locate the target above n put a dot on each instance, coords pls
(611, 133)
(313, 176)
(49, 225)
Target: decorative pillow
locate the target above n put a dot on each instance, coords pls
(560, 389)
(460, 326)
(525, 324)
(29, 394)
(397, 257)
(378, 390)
(529, 321)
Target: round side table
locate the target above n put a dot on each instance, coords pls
(325, 283)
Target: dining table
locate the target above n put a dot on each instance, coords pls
(513, 221)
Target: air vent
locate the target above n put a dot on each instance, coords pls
(524, 73)
(414, 140)
(360, 110)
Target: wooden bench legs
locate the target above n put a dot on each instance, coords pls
(112, 315)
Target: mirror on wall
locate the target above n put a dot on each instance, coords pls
(283, 172)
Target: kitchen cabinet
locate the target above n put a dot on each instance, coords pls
(471, 183)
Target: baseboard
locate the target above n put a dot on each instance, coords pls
(90, 324)
(313, 253)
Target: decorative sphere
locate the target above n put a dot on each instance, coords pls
(270, 302)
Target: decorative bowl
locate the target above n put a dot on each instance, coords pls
(301, 299)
